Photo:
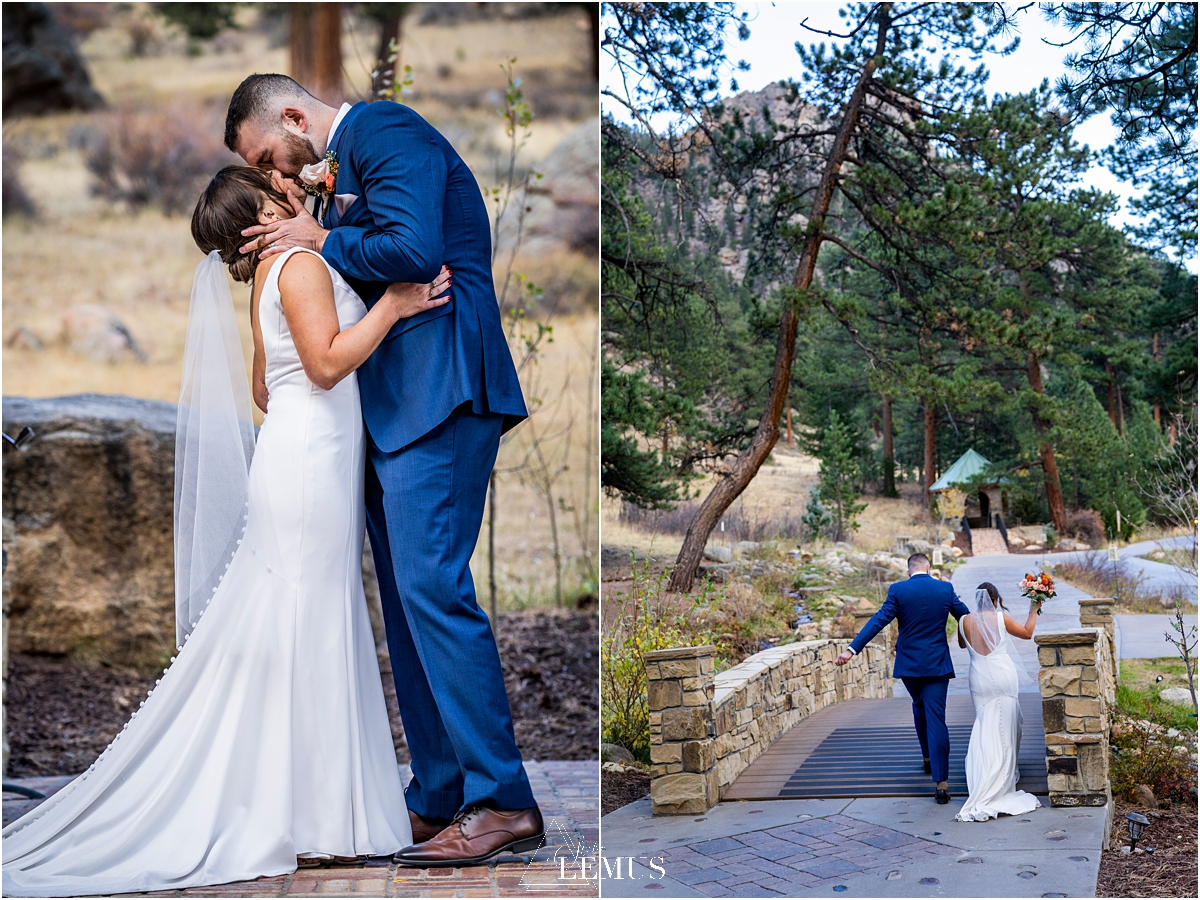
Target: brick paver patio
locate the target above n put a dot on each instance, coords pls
(814, 855)
(568, 793)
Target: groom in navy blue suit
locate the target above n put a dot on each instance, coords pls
(921, 604)
(437, 395)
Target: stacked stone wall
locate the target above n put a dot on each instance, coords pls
(705, 729)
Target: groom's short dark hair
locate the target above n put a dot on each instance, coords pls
(916, 561)
(254, 97)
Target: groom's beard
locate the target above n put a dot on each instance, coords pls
(300, 153)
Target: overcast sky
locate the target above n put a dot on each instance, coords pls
(770, 50)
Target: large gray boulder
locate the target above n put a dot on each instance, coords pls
(564, 204)
(91, 564)
(42, 70)
(89, 530)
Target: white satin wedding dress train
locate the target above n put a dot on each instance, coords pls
(268, 736)
(992, 773)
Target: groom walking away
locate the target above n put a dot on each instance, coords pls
(922, 604)
(396, 203)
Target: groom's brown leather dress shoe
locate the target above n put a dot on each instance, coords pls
(941, 795)
(475, 836)
(425, 828)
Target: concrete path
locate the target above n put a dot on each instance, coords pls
(1144, 637)
(860, 848)
(568, 793)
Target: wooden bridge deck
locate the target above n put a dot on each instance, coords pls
(868, 748)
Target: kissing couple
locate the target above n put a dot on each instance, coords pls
(382, 368)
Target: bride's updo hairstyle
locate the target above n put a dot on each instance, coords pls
(994, 593)
(231, 203)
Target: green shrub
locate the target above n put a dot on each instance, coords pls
(644, 622)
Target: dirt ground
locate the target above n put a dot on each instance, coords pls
(619, 789)
(83, 249)
(62, 713)
(1170, 871)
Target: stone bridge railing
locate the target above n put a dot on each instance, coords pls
(1078, 682)
(705, 729)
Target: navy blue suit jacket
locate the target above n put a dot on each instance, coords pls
(419, 207)
(922, 604)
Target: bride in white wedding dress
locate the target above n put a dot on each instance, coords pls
(995, 681)
(267, 739)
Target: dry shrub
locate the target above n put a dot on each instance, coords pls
(1146, 750)
(647, 618)
(15, 198)
(1095, 574)
(1085, 525)
(161, 155)
(740, 524)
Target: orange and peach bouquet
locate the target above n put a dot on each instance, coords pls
(1038, 588)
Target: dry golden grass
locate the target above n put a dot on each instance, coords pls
(781, 490)
(83, 250)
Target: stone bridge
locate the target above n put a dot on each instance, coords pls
(788, 724)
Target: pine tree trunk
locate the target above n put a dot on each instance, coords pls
(745, 467)
(930, 450)
(1054, 497)
(1112, 394)
(889, 453)
(315, 49)
(1120, 413)
(593, 14)
(1157, 404)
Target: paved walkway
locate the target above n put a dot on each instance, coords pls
(1144, 637)
(568, 793)
(858, 848)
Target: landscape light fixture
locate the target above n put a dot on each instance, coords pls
(1137, 824)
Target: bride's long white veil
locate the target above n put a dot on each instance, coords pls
(214, 443)
(986, 637)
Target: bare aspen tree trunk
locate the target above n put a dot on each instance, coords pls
(315, 49)
(743, 469)
(1054, 497)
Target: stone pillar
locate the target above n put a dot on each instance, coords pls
(1078, 689)
(1096, 612)
(679, 691)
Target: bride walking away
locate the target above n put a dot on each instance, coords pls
(995, 682)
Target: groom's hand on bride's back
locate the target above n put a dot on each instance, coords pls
(407, 300)
(302, 230)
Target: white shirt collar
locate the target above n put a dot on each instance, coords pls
(336, 122)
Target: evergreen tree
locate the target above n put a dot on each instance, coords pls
(839, 478)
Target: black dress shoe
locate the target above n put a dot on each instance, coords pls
(928, 767)
(941, 796)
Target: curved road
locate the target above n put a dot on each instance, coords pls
(1138, 636)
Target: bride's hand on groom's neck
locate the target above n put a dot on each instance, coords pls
(302, 230)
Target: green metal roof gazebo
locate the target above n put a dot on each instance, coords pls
(965, 468)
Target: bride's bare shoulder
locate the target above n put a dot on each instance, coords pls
(304, 273)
